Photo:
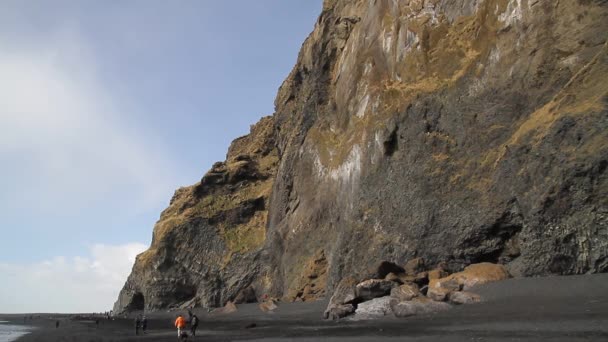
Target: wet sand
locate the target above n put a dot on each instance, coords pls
(573, 308)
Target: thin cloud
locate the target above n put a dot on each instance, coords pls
(79, 284)
(63, 135)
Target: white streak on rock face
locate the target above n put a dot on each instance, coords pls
(494, 57)
(347, 174)
(363, 106)
(387, 41)
(408, 40)
(367, 68)
(376, 104)
(350, 170)
(512, 14)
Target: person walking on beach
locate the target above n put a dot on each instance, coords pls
(137, 325)
(56, 324)
(180, 324)
(144, 324)
(193, 325)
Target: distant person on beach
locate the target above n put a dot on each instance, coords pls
(193, 325)
(56, 324)
(180, 324)
(137, 325)
(144, 324)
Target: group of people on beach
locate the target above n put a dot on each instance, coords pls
(181, 324)
(141, 322)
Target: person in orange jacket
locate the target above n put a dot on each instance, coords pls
(180, 324)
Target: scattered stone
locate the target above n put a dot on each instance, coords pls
(404, 278)
(446, 283)
(414, 266)
(464, 297)
(338, 311)
(405, 292)
(340, 303)
(393, 277)
(374, 288)
(472, 275)
(421, 278)
(250, 326)
(417, 306)
(268, 306)
(375, 308)
(437, 274)
(438, 294)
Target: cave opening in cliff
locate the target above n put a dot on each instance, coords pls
(390, 145)
(138, 302)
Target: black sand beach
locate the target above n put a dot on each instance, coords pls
(573, 308)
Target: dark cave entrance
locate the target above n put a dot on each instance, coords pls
(137, 302)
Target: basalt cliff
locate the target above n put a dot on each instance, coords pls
(459, 131)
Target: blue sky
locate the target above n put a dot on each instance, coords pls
(106, 107)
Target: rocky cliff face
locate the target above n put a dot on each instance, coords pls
(459, 131)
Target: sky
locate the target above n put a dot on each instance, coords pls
(107, 107)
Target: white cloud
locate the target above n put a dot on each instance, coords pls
(78, 284)
(64, 137)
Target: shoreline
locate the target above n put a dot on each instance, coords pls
(560, 308)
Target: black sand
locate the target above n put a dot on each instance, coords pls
(571, 308)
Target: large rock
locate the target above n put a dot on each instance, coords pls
(457, 130)
(405, 292)
(439, 294)
(472, 275)
(340, 304)
(345, 292)
(336, 312)
(417, 306)
(436, 274)
(375, 308)
(374, 288)
(463, 297)
(268, 306)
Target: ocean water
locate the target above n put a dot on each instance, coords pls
(9, 332)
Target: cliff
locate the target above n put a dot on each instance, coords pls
(458, 131)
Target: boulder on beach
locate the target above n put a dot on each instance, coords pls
(374, 288)
(268, 306)
(438, 294)
(437, 273)
(345, 292)
(464, 297)
(338, 311)
(417, 306)
(375, 308)
(340, 303)
(405, 292)
(475, 274)
(394, 277)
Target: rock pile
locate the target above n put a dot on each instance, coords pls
(411, 290)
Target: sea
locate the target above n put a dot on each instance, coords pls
(10, 332)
